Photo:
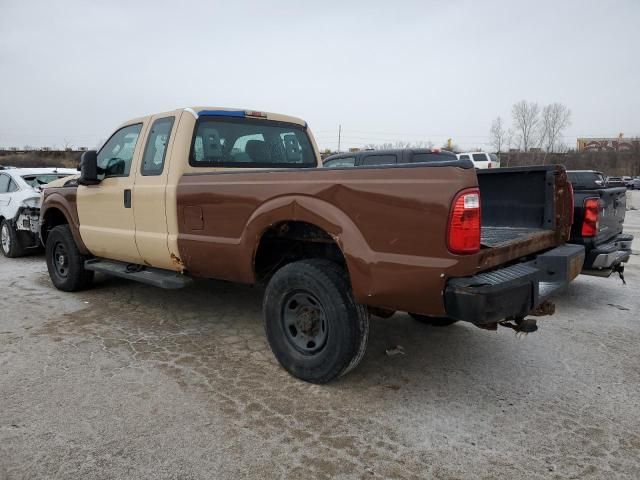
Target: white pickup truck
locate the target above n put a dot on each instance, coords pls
(481, 160)
(20, 206)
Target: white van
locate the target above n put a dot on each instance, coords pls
(481, 159)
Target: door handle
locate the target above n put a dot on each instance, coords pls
(127, 198)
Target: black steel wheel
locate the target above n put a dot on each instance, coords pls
(315, 328)
(304, 322)
(64, 261)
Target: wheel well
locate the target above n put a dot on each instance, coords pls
(291, 241)
(52, 218)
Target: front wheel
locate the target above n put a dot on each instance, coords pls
(315, 328)
(433, 321)
(64, 261)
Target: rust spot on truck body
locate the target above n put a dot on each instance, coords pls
(177, 262)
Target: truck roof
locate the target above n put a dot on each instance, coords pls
(238, 112)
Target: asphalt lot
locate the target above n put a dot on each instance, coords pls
(128, 381)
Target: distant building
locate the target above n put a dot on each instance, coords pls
(618, 144)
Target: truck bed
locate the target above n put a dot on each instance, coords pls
(522, 211)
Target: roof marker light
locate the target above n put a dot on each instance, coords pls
(255, 113)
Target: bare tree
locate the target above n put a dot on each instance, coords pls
(556, 117)
(526, 118)
(497, 134)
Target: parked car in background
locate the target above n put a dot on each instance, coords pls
(481, 160)
(634, 183)
(388, 157)
(627, 180)
(242, 196)
(599, 211)
(20, 206)
(615, 182)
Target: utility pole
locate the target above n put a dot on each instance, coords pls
(339, 135)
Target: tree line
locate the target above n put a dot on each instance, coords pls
(532, 127)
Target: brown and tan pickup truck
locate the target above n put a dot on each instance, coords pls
(242, 196)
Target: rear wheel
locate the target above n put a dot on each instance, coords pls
(10, 241)
(433, 321)
(315, 328)
(64, 261)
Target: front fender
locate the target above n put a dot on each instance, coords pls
(64, 201)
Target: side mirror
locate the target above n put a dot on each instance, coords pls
(89, 168)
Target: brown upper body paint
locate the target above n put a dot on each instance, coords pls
(390, 224)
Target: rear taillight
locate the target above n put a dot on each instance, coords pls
(489, 166)
(463, 235)
(591, 213)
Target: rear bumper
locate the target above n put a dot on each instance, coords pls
(515, 290)
(609, 255)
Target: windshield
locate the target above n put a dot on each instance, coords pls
(36, 181)
(229, 142)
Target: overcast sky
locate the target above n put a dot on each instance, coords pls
(70, 72)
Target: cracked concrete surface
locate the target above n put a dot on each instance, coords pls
(129, 381)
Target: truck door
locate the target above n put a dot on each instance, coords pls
(105, 210)
(149, 193)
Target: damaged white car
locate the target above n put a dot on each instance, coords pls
(20, 190)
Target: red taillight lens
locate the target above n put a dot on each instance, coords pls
(463, 235)
(489, 166)
(591, 212)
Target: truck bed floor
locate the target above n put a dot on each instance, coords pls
(496, 236)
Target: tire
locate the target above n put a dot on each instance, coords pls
(314, 327)
(433, 321)
(64, 261)
(10, 242)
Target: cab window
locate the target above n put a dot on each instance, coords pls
(230, 142)
(479, 157)
(156, 149)
(114, 158)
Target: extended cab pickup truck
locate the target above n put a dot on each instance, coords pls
(599, 210)
(242, 196)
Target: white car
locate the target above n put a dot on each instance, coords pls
(481, 159)
(20, 190)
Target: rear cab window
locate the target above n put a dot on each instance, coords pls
(156, 149)
(479, 157)
(250, 143)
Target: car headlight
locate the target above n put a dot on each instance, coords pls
(33, 202)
